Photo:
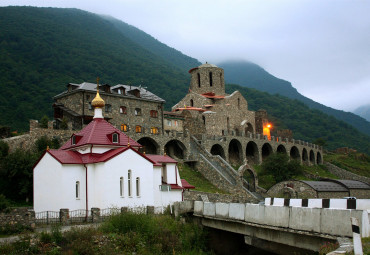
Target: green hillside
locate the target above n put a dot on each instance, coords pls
(253, 76)
(307, 124)
(43, 49)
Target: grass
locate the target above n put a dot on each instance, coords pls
(358, 163)
(196, 179)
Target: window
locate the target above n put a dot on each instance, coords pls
(121, 186)
(90, 106)
(221, 79)
(77, 190)
(238, 103)
(154, 130)
(138, 129)
(129, 183)
(120, 91)
(204, 120)
(137, 112)
(73, 140)
(198, 80)
(124, 128)
(210, 79)
(123, 110)
(108, 108)
(169, 123)
(87, 97)
(138, 187)
(191, 102)
(153, 114)
(115, 138)
(175, 123)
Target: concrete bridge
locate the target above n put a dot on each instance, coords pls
(280, 229)
(234, 149)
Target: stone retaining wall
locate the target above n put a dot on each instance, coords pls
(344, 174)
(18, 216)
(216, 197)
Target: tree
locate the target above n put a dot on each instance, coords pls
(44, 122)
(4, 149)
(43, 142)
(320, 141)
(279, 166)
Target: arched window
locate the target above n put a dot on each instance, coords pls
(198, 80)
(129, 183)
(137, 112)
(210, 79)
(115, 138)
(191, 102)
(124, 127)
(154, 130)
(123, 110)
(121, 186)
(138, 129)
(138, 187)
(77, 190)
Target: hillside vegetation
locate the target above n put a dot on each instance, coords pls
(251, 75)
(43, 49)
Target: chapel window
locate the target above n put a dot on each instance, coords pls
(123, 110)
(210, 79)
(115, 138)
(191, 102)
(154, 114)
(137, 112)
(121, 186)
(198, 80)
(108, 108)
(204, 120)
(77, 190)
(138, 129)
(124, 127)
(129, 183)
(138, 187)
(238, 103)
(73, 140)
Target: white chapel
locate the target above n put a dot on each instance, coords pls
(101, 167)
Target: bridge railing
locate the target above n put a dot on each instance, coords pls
(334, 222)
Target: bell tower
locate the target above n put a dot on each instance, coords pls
(207, 78)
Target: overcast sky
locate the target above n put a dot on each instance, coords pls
(321, 46)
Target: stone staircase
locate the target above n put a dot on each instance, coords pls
(218, 171)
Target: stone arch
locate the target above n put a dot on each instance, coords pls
(281, 149)
(175, 148)
(235, 152)
(249, 128)
(294, 153)
(150, 146)
(304, 156)
(218, 150)
(312, 157)
(251, 152)
(318, 158)
(266, 151)
(248, 174)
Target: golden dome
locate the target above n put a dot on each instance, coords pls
(98, 102)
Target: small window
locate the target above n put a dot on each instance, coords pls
(153, 114)
(138, 129)
(191, 102)
(198, 80)
(124, 128)
(137, 112)
(120, 91)
(121, 193)
(204, 120)
(108, 108)
(238, 103)
(90, 106)
(123, 110)
(77, 190)
(73, 140)
(175, 123)
(138, 187)
(210, 79)
(115, 138)
(129, 183)
(87, 97)
(169, 123)
(154, 130)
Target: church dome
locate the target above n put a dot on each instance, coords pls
(98, 102)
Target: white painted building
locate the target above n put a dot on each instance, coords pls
(101, 167)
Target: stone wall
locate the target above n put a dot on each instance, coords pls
(292, 189)
(333, 194)
(344, 174)
(193, 195)
(18, 216)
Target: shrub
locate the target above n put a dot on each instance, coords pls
(44, 122)
(279, 166)
(4, 203)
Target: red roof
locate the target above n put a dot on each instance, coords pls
(212, 95)
(175, 186)
(99, 132)
(190, 108)
(186, 185)
(159, 159)
(74, 157)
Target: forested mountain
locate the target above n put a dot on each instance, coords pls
(253, 76)
(363, 111)
(43, 49)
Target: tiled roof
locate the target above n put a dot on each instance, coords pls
(351, 184)
(159, 159)
(97, 132)
(325, 186)
(175, 186)
(186, 185)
